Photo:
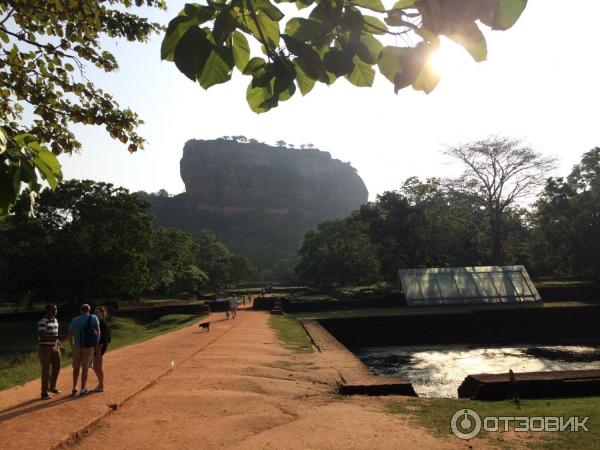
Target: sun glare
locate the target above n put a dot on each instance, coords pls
(448, 59)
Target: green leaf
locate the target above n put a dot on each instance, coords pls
(3, 140)
(48, 165)
(311, 60)
(177, 28)
(374, 5)
(260, 98)
(362, 75)
(254, 65)
(328, 77)
(224, 25)
(339, 62)
(268, 8)
(327, 14)
(269, 28)
(305, 30)
(472, 39)
(304, 82)
(426, 80)
(218, 67)
(390, 61)
(369, 49)
(352, 21)
(502, 14)
(301, 4)
(401, 4)
(285, 88)
(241, 50)
(374, 25)
(201, 13)
(192, 52)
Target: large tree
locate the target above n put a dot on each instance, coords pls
(342, 38)
(499, 171)
(567, 222)
(45, 49)
(338, 251)
(87, 240)
(172, 262)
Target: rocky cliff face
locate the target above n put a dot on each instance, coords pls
(260, 200)
(231, 177)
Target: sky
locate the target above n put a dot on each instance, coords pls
(541, 83)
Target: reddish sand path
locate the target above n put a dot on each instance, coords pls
(235, 387)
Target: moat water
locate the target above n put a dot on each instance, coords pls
(438, 371)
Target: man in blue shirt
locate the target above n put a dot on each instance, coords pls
(82, 356)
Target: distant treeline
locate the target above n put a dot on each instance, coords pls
(437, 223)
(89, 240)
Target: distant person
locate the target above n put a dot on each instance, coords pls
(84, 335)
(233, 305)
(101, 312)
(225, 303)
(49, 351)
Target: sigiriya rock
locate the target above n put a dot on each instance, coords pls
(260, 200)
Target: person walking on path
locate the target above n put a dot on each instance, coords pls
(101, 312)
(233, 305)
(49, 351)
(84, 335)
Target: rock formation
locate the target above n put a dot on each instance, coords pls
(230, 177)
(260, 200)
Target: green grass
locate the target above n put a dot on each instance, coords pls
(435, 414)
(18, 348)
(290, 332)
(416, 310)
(11, 307)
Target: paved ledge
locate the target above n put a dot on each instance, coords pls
(550, 384)
(355, 378)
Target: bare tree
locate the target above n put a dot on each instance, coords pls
(499, 172)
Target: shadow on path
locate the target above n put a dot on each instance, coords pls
(37, 405)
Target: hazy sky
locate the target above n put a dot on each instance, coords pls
(541, 83)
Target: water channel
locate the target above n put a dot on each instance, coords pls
(437, 371)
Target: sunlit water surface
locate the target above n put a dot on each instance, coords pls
(437, 371)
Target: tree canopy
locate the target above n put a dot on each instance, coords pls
(567, 221)
(499, 171)
(46, 48)
(325, 41)
(92, 240)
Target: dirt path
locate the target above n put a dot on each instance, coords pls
(235, 387)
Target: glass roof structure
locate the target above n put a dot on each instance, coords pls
(467, 285)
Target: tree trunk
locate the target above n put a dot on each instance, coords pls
(496, 237)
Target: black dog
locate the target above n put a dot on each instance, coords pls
(204, 326)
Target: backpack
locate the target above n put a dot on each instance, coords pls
(88, 337)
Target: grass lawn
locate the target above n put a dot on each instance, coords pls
(291, 333)
(435, 414)
(416, 310)
(9, 308)
(18, 349)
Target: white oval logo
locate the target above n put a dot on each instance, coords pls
(465, 424)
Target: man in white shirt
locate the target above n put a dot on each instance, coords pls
(49, 351)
